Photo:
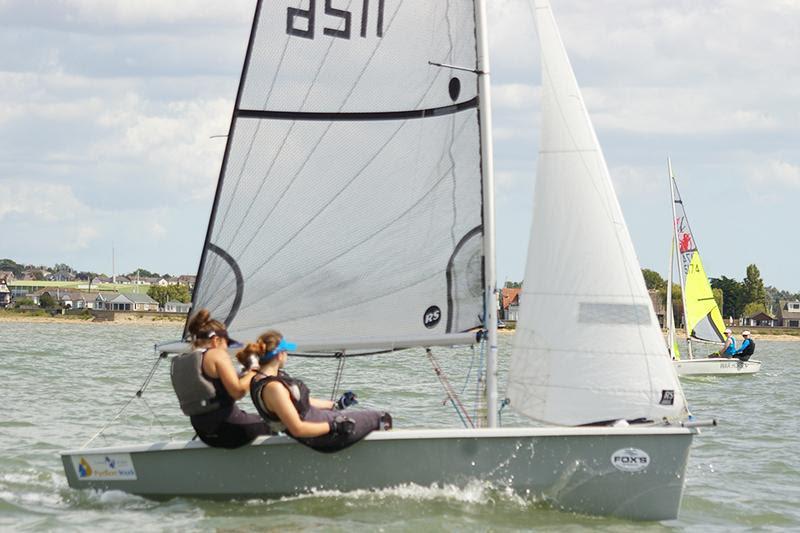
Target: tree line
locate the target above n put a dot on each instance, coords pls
(735, 298)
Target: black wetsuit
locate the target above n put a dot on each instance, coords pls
(366, 421)
(228, 426)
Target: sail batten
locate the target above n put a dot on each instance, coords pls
(588, 347)
(350, 199)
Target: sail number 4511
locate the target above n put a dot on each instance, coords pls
(297, 18)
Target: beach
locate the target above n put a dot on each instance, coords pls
(119, 318)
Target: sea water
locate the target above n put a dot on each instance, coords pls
(62, 382)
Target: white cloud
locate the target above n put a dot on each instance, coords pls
(46, 201)
(84, 237)
(776, 174)
(157, 231)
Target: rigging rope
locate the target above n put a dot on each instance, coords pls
(138, 394)
(452, 395)
(337, 380)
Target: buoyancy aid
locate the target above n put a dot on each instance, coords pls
(197, 393)
(747, 349)
(298, 393)
(731, 349)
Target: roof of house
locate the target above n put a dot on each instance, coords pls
(659, 304)
(761, 315)
(509, 295)
(783, 309)
(140, 298)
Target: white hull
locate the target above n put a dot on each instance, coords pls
(631, 472)
(716, 366)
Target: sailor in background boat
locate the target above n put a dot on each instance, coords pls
(748, 347)
(285, 402)
(729, 348)
(208, 386)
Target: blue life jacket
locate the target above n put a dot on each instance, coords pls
(732, 348)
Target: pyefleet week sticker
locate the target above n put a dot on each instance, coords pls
(117, 466)
(630, 459)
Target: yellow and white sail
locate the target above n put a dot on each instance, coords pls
(702, 314)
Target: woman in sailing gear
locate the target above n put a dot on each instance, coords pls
(729, 348)
(208, 386)
(747, 348)
(286, 405)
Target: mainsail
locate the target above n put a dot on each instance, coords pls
(588, 347)
(703, 318)
(349, 203)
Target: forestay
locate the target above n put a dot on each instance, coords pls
(588, 347)
(703, 318)
(349, 201)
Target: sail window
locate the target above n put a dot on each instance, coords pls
(606, 313)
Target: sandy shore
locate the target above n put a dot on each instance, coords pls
(172, 321)
(133, 319)
(756, 336)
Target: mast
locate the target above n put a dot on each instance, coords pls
(487, 166)
(668, 313)
(680, 267)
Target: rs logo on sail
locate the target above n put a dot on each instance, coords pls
(630, 459)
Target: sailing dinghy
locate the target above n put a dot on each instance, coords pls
(359, 157)
(702, 317)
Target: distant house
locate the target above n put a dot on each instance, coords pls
(177, 307)
(162, 282)
(509, 303)
(788, 314)
(123, 280)
(187, 280)
(100, 279)
(7, 275)
(132, 302)
(760, 319)
(5, 293)
(659, 306)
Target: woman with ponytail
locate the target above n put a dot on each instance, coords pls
(286, 405)
(208, 386)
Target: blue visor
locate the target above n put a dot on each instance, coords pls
(283, 346)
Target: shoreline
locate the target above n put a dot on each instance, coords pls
(180, 319)
(118, 320)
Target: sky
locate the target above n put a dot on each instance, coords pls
(108, 112)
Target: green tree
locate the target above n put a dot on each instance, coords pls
(8, 264)
(178, 293)
(143, 273)
(719, 297)
(62, 267)
(47, 302)
(753, 308)
(732, 296)
(159, 294)
(653, 279)
(753, 290)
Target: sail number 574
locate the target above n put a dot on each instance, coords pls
(302, 22)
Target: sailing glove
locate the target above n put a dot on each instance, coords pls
(342, 425)
(347, 399)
